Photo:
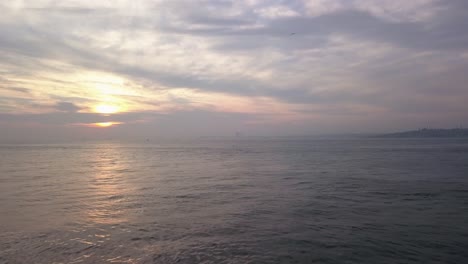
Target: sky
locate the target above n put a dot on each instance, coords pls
(79, 70)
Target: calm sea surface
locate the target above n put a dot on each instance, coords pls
(236, 201)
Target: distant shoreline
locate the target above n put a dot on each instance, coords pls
(428, 133)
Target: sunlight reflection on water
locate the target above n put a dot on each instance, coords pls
(107, 181)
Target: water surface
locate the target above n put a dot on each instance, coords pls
(236, 201)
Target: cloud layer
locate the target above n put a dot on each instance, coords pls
(267, 67)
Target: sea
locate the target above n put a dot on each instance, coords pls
(239, 200)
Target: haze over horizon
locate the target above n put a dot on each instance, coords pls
(144, 69)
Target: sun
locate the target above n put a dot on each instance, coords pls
(106, 109)
(106, 124)
(99, 124)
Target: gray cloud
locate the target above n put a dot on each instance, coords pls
(18, 89)
(67, 107)
(446, 33)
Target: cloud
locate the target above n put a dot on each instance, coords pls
(67, 107)
(276, 11)
(388, 59)
(18, 89)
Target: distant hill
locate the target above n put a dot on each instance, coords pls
(428, 133)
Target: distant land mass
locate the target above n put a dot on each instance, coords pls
(428, 133)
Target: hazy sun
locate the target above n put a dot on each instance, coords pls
(106, 124)
(106, 109)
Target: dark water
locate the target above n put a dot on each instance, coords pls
(244, 201)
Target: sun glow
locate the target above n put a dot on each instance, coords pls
(98, 124)
(106, 109)
(106, 124)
